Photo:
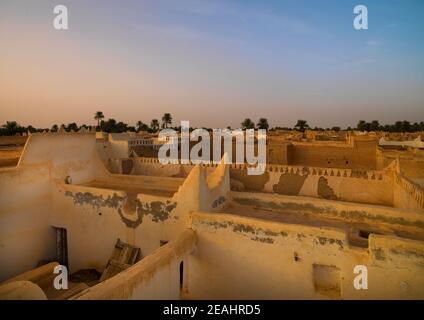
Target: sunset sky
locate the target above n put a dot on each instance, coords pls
(213, 63)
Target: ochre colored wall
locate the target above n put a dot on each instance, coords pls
(95, 218)
(362, 155)
(279, 153)
(335, 184)
(407, 194)
(155, 277)
(26, 237)
(268, 260)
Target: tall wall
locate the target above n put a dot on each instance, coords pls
(279, 153)
(92, 222)
(27, 235)
(69, 154)
(360, 155)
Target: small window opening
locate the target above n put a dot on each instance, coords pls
(364, 234)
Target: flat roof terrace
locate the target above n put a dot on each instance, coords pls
(130, 189)
(140, 184)
(357, 220)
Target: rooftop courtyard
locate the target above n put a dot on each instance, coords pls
(129, 227)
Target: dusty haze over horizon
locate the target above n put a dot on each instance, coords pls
(212, 63)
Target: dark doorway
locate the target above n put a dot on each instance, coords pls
(181, 274)
(61, 246)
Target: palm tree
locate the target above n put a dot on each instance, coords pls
(406, 126)
(141, 126)
(375, 125)
(154, 124)
(31, 129)
(98, 116)
(247, 124)
(11, 128)
(166, 120)
(72, 127)
(263, 124)
(397, 126)
(362, 125)
(302, 125)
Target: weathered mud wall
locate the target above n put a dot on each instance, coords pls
(92, 221)
(26, 236)
(408, 194)
(285, 261)
(155, 277)
(361, 155)
(142, 167)
(335, 184)
(95, 217)
(69, 154)
(279, 153)
(145, 182)
(395, 221)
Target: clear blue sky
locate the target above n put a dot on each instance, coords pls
(213, 63)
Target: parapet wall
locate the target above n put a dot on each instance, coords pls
(353, 185)
(373, 187)
(407, 194)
